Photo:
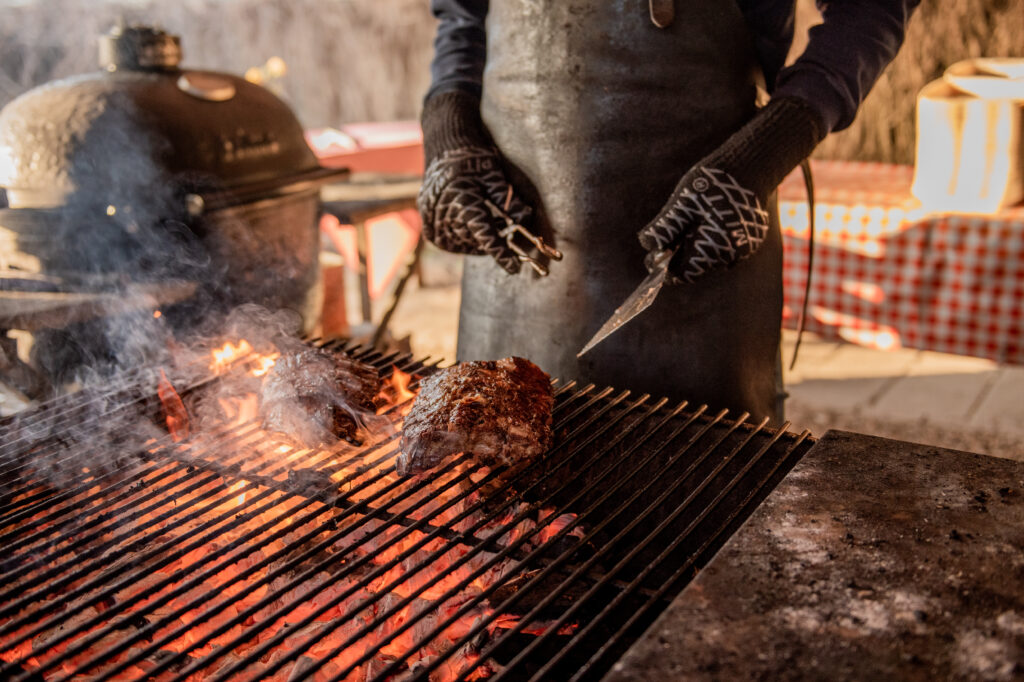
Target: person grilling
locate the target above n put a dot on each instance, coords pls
(591, 123)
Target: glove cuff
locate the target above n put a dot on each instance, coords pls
(451, 120)
(761, 153)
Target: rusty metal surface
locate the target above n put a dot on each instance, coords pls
(873, 559)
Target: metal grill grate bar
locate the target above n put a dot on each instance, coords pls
(686, 566)
(411, 572)
(235, 534)
(26, 599)
(308, 573)
(562, 559)
(637, 547)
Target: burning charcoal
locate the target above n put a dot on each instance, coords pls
(500, 411)
(311, 483)
(313, 397)
(531, 598)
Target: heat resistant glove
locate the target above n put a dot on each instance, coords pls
(716, 216)
(463, 173)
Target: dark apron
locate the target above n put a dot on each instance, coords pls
(599, 114)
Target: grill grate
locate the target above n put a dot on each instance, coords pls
(231, 555)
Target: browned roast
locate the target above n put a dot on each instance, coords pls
(313, 397)
(498, 410)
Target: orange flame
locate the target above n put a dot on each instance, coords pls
(174, 409)
(227, 354)
(264, 363)
(396, 389)
(557, 525)
(401, 380)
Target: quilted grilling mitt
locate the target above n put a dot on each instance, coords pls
(463, 173)
(716, 215)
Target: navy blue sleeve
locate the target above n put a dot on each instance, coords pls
(845, 55)
(460, 48)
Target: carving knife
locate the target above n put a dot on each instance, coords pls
(639, 301)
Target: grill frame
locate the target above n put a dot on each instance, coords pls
(595, 413)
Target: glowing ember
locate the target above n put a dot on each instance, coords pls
(174, 409)
(556, 526)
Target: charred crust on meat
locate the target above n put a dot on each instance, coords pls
(498, 410)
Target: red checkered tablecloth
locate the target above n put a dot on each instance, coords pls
(889, 274)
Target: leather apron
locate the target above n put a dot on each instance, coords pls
(599, 113)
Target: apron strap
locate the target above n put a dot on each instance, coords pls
(805, 168)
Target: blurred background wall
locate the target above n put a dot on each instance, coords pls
(346, 60)
(367, 60)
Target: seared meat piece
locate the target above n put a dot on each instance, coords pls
(314, 397)
(498, 410)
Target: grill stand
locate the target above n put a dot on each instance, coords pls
(873, 559)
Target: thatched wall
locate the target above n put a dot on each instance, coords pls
(941, 32)
(353, 60)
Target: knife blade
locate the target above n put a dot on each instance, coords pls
(637, 302)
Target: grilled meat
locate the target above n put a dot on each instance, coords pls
(498, 410)
(314, 397)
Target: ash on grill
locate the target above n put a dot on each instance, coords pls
(233, 553)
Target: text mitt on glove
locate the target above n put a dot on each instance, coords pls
(716, 215)
(463, 173)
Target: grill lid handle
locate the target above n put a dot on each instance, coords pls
(139, 48)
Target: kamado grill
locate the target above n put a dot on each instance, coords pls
(228, 553)
(149, 185)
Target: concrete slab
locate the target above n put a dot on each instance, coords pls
(813, 352)
(939, 387)
(430, 316)
(850, 378)
(1002, 408)
(872, 560)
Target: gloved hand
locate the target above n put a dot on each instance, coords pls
(463, 173)
(716, 215)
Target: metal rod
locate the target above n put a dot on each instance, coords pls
(164, 499)
(512, 524)
(251, 587)
(77, 507)
(56, 411)
(348, 530)
(639, 547)
(52, 558)
(410, 551)
(685, 567)
(50, 502)
(154, 554)
(111, 589)
(148, 395)
(242, 542)
(309, 572)
(548, 569)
